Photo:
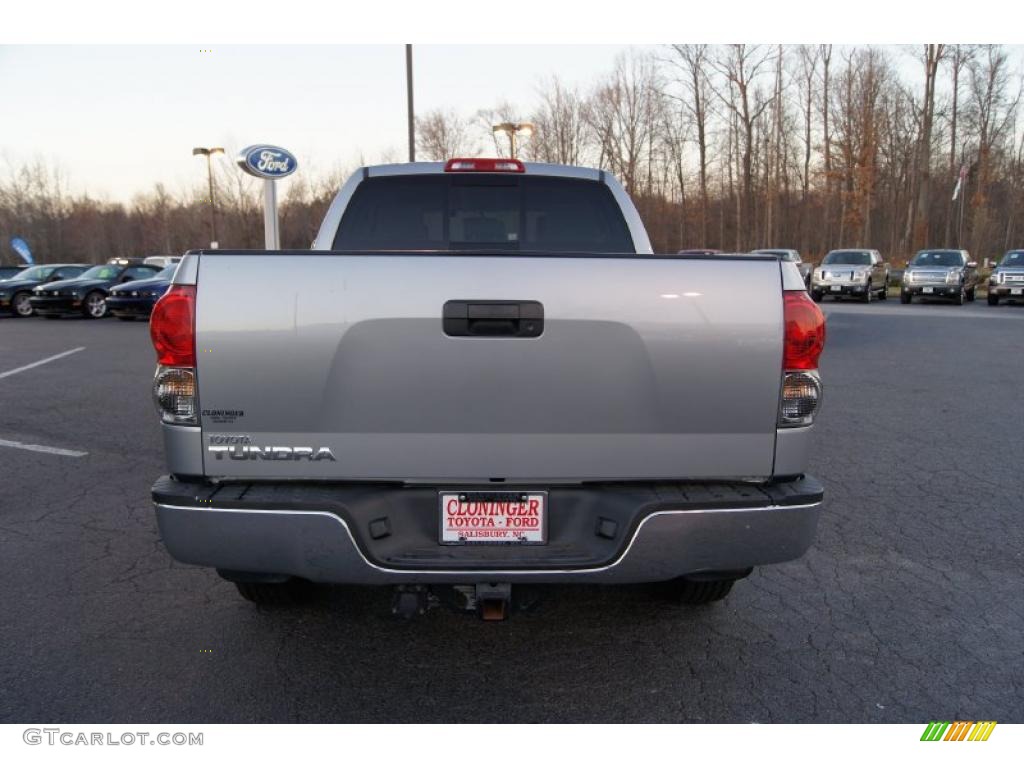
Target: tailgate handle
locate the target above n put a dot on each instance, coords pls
(487, 319)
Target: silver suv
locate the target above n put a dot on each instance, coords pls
(859, 272)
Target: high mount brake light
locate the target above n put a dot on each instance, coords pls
(804, 331)
(483, 165)
(173, 327)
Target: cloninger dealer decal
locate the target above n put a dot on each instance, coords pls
(466, 519)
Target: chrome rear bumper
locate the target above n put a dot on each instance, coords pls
(320, 544)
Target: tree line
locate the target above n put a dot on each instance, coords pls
(730, 146)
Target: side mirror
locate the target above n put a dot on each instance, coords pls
(972, 265)
(127, 279)
(52, 278)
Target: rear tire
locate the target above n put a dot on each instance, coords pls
(816, 296)
(961, 297)
(279, 593)
(885, 291)
(993, 300)
(689, 591)
(869, 294)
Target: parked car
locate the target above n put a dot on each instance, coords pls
(940, 273)
(87, 293)
(501, 423)
(16, 291)
(859, 272)
(788, 254)
(9, 272)
(161, 261)
(129, 301)
(1007, 279)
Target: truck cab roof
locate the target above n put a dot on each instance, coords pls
(511, 169)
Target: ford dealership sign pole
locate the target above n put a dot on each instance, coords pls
(268, 163)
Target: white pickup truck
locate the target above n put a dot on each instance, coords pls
(482, 376)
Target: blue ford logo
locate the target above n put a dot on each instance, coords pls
(267, 162)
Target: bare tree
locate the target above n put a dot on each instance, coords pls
(826, 106)
(809, 56)
(692, 62)
(918, 217)
(858, 102)
(562, 133)
(675, 135)
(624, 115)
(483, 125)
(441, 135)
(991, 112)
(741, 65)
(775, 155)
(958, 59)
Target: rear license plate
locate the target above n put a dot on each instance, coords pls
(485, 517)
(928, 289)
(1016, 291)
(837, 288)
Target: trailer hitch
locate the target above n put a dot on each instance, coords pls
(491, 601)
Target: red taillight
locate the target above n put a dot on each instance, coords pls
(805, 331)
(483, 165)
(173, 326)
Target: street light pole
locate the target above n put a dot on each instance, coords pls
(408, 96)
(209, 152)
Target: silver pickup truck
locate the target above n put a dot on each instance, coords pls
(1007, 279)
(945, 273)
(859, 272)
(481, 376)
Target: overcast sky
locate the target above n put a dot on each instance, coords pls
(118, 119)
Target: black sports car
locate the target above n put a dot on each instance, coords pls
(16, 291)
(87, 293)
(136, 299)
(8, 272)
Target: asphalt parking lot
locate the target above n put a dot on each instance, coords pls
(907, 609)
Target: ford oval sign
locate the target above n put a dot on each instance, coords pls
(267, 162)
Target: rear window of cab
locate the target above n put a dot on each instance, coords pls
(483, 212)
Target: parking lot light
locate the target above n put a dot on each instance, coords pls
(209, 152)
(512, 130)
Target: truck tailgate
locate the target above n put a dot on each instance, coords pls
(646, 368)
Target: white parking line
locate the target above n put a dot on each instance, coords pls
(42, 449)
(44, 361)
